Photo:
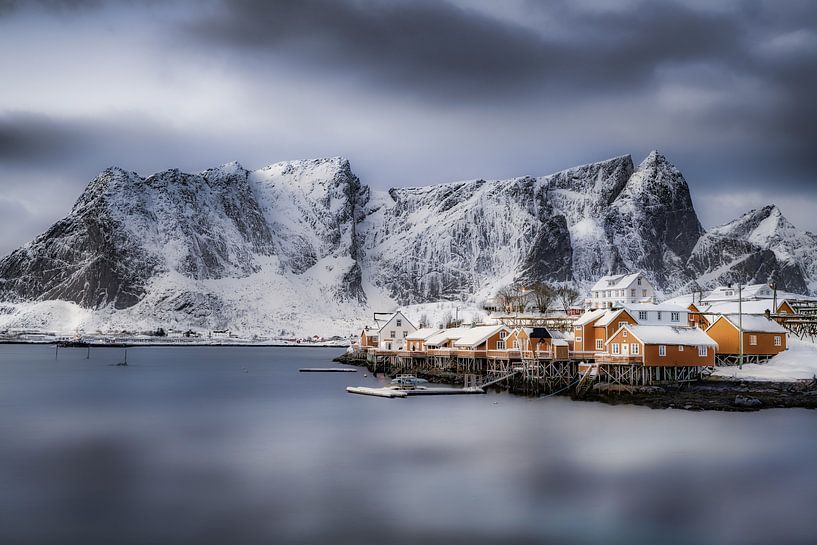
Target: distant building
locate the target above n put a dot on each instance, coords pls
(220, 334)
(620, 289)
(663, 314)
(368, 338)
(416, 341)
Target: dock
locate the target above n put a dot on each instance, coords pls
(392, 393)
(327, 370)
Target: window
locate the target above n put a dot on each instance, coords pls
(634, 347)
(675, 317)
(753, 340)
(632, 293)
(624, 333)
(643, 293)
(680, 348)
(392, 334)
(639, 281)
(659, 315)
(405, 334)
(578, 339)
(500, 345)
(503, 334)
(662, 350)
(778, 341)
(516, 345)
(622, 324)
(600, 344)
(642, 314)
(615, 348)
(399, 323)
(702, 351)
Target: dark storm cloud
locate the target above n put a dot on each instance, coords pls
(443, 51)
(449, 55)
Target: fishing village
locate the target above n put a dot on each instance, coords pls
(619, 345)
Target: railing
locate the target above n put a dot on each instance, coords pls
(617, 358)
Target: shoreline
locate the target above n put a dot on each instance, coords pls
(173, 344)
(703, 395)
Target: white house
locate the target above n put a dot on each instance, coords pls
(752, 292)
(620, 289)
(393, 330)
(663, 314)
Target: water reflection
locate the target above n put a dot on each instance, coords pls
(184, 446)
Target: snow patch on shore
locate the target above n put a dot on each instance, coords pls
(799, 362)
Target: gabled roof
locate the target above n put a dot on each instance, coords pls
(422, 334)
(668, 334)
(615, 281)
(752, 323)
(589, 316)
(610, 316)
(478, 335)
(559, 342)
(382, 322)
(450, 334)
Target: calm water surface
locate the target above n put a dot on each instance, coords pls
(233, 445)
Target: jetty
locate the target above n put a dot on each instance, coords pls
(327, 370)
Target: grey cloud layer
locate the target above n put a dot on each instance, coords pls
(726, 90)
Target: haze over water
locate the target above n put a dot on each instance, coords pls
(184, 446)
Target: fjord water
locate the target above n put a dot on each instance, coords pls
(233, 445)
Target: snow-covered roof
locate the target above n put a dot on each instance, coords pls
(684, 300)
(759, 307)
(615, 281)
(609, 317)
(667, 334)
(450, 334)
(423, 333)
(589, 316)
(747, 292)
(478, 335)
(559, 342)
(661, 307)
(753, 323)
(561, 335)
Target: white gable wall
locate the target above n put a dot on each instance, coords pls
(392, 336)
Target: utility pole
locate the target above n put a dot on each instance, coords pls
(740, 324)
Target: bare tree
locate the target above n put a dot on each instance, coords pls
(543, 296)
(567, 296)
(511, 298)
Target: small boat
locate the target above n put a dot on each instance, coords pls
(408, 380)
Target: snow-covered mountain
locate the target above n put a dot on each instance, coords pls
(303, 247)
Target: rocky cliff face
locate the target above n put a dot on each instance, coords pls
(303, 246)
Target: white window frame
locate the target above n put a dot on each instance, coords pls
(621, 324)
(659, 315)
(578, 339)
(615, 348)
(642, 314)
(599, 344)
(392, 334)
(399, 322)
(680, 348)
(634, 349)
(503, 334)
(675, 317)
(752, 340)
(405, 334)
(703, 351)
(662, 350)
(624, 333)
(778, 340)
(500, 345)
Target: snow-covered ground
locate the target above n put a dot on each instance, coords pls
(799, 362)
(436, 314)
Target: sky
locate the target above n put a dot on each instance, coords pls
(413, 92)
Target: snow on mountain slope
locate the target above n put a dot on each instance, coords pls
(767, 229)
(302, 247)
